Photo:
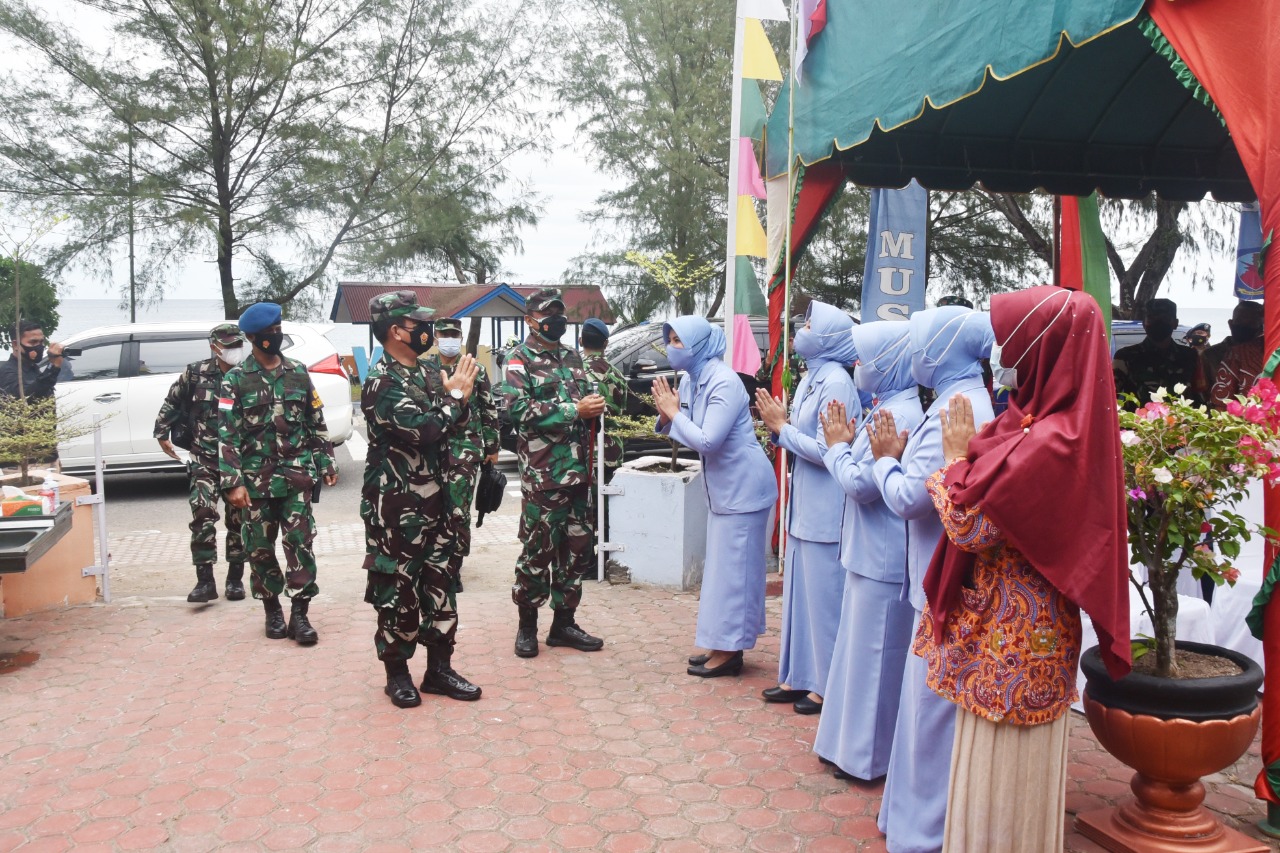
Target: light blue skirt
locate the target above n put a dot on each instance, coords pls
(861, 697)
(731, 606)
(913, 811)
(812, 591)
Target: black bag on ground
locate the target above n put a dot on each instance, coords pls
(489, 493)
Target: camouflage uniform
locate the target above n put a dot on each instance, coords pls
(196, 391)
(544, 383)
(468, 446)
(275, 444)
(404, 508)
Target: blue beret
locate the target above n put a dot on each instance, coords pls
(259, 316)
(597, 325)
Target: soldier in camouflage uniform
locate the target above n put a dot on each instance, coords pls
(193, 398)
(477, 442)
(403, 502)
(550, 401)
(275, 447)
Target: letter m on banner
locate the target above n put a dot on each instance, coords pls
(893, 280)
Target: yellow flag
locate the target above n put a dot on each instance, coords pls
(749, 239)
(758, 61)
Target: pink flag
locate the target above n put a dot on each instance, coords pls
(746, 352)
(749, 180)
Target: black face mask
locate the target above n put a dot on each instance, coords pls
(269, 342)
(33, 354)
(420, 338)
(1242, 332)
(552, 328)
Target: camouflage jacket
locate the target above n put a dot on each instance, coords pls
(605, 379)
(478, 437)
(543, 387)
(408, 430)
(274, 439)
(195, 392)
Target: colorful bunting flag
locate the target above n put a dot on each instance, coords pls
(747, 301)
(764, 10)
(758, 60)
(750, 238)
(753, 114)
(749, 180)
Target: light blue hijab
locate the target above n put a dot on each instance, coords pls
(703, 340)
(827, 338)
(948, 343)
(884, 357)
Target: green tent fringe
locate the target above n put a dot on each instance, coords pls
(1180, 69)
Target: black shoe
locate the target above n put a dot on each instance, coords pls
(807, 706)
(300, 630)
(781, 694)
(565, 632)
(457, 585)
(527, 635)
(205, 588)
(442, 679)
(400, 685)
(847, 777)
(276, 629)
(698, 660)
(235, 582)
(732, 666)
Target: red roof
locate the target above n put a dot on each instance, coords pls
(351, 303)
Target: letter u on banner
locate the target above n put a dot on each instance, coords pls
(893, 280)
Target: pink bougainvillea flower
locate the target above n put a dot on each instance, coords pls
(1230, 575)
(1138, 494)
(1206, 527)
(1234, 408)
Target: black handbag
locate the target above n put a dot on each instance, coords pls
(493, 484)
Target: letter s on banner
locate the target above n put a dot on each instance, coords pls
(893, 311)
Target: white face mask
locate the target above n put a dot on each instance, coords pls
(1008, 376)
(449, 347)
(232, 355)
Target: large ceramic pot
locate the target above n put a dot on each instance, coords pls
(1172, 732)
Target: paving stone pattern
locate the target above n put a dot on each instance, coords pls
(153, 724)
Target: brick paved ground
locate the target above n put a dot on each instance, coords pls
(150, 723)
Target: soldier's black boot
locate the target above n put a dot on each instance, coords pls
(400, 685)
(275, 618)
(565, 632)
(300, 630)
(442, 679)
(205, 588)
(235, 582)
(527, 635)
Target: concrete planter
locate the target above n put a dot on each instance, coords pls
(56, 579)
(661, 520)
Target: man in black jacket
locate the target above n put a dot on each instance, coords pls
(38, 380)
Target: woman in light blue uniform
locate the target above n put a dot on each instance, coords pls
(856, 731)
(947, 345)
(712, 416)
(812, 587)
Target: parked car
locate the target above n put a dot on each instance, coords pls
(126, 371)
(1125, 333)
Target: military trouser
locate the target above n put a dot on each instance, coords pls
(411, 587)
(204, 497)
(556, 529)
(263, 521)
(460, 492)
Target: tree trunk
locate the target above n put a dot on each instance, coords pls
(1164, 590)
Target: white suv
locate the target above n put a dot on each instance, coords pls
(126, 371)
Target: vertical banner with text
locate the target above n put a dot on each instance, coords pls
(894, 278)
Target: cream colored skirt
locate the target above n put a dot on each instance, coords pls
(1008, 787)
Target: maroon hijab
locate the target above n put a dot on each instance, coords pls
(1048, 471)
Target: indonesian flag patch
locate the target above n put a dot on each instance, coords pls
(224, 404)
(515, 365)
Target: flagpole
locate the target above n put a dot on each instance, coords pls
(735, 129)
(783, 503)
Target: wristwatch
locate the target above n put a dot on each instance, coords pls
(455, 393)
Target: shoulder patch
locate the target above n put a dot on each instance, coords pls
(224, 404)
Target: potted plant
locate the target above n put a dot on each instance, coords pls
(1187, 710)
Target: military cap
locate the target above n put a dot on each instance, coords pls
(448, 324)
(596, 325)
(953, 299)
(259, 316)
(399, 305)
(1165, 307)
(226, 335)
(543, 300)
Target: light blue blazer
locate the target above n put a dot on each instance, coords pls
(817, 501)
(872, 537)
(902, 483)
(715, 420)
